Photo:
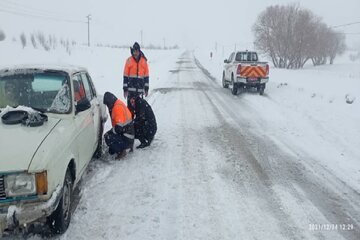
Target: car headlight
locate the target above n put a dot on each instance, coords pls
(20, 185)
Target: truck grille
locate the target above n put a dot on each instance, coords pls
(2, 188)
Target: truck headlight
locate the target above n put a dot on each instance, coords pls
(22, 184)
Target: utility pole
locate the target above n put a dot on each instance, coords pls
(88, 22)
(141, 36)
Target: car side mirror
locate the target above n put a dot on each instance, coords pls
(226, 61)
(83, 104)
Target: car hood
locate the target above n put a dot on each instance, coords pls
(19, 143)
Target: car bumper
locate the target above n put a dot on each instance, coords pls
(12, 216)
(248, 82)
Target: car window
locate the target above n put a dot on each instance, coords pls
(241, 56)
(231, 57)
(86, 79)
(79, 90)
(91, 84)
(87, 87)
(48, 91)
(254, 57)
(246, 56)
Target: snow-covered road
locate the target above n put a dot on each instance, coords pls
(212, 173)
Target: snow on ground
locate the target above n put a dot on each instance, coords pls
(306, 109)
(205, 176)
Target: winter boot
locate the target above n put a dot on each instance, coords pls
(121, 155)
(143, 145)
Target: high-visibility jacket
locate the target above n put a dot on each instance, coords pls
(136, 75)
(121, 116)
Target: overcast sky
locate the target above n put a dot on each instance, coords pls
(188, 23)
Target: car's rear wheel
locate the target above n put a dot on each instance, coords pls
(234, 89)
(59, 220)
(261, 89)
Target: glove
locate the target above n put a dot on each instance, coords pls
(146, 93)
(126, 94)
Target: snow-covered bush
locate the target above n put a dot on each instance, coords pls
(349, 98)
(23, 40)
(42, 41)
(33, 41)
(2, 35)
(354, 57)
(291, 35)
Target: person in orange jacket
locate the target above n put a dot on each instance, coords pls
(136, 74)
(121, 136)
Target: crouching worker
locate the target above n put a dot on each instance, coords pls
(144, 121)
(121, 136)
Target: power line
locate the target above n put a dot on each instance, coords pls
(88, 22)
(37, 16)
(347, 24)
(29, 9)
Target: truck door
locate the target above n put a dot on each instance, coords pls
(229, 65)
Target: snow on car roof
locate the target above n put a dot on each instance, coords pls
(70, 69)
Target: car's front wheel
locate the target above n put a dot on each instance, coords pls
(224, 83)
(59, 220)
(99, 148)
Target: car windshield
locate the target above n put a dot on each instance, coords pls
(246, 56)
(45, 91)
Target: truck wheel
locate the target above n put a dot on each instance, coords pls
(241, 88)
(261, 89)
(234, 89)
(59, 220)
(224, 84)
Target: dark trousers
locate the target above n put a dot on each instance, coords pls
(116, 142)
(132, 94)
(144, 131)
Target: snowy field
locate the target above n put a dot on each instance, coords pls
(222, 166)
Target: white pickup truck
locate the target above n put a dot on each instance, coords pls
(242, 71)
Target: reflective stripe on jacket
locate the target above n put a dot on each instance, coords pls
(136, 75)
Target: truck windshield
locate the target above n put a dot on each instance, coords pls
(48, 91)
(246, 57)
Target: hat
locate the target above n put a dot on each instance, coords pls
(109, 100)
(136, 46)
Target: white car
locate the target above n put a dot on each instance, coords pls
(51, 126)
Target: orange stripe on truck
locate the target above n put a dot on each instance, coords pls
(253, 71)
